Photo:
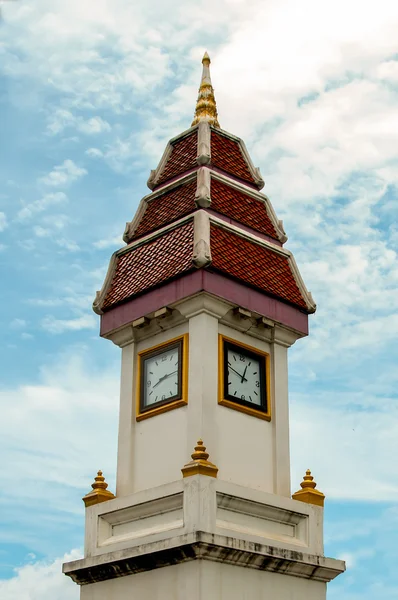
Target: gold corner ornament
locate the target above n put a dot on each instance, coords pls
(308, 493)
(99, 493)
(199, 465)
(206, 109)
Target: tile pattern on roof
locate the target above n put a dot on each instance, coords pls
(238, 206)
(182, 158)
(254, 264)
(152, 263)
(168, 207)
(227, 156)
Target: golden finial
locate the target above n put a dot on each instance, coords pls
(308, 493)
(206, 109)
(99, 493)
(199, 465)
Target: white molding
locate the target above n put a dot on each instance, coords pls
(203, 302)
(100, 296)
(255, 171)
(132, 225)
(311, 306)
(252, 237)
(204, 144)
(155, 234)
(155, 173)
(244, 189)
(201, 256)
(203, 193)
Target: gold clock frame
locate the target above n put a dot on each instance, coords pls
(259, 414)
(183, 401)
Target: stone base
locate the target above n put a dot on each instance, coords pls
(203, 537)
(204, 580)
(201, 546)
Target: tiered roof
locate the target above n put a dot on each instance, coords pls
(206, 212)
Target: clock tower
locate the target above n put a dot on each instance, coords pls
(204, 302)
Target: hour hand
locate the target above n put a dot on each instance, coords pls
(164, 377)
(240, 375)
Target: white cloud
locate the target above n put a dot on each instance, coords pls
(62, 119)
(310, 89)
(26, 336)
(114, 241)
(53, 325)
(69, 245)
(3, 221)
(94, 125)
(350, 438)
(64, 174)
(18, 323)
(50, 436)
(41, 580)
(94, 152)
(41, 231)
(41, 205)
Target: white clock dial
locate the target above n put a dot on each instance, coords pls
(161, 376)
(244, 377)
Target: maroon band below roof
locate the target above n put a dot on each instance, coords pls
(215, 284)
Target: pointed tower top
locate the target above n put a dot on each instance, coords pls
(206, 109)
(199, 465)
(99, 493)
(308, 493)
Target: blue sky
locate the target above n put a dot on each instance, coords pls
(89, 95)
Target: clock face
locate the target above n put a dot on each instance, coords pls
(161, 379)
(244, 377)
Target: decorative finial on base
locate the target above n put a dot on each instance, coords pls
(308, 493)
(199, 465)
(99, 493)
(206, 109)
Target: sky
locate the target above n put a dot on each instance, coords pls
(90, 93)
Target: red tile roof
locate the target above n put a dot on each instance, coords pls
(228, 201)
(168, 207)
(240, 207)
(182, 158)
(226, 155)
(254, 264)
(152, 263)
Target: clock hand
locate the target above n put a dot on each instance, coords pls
(243, 378)
(244, 373)
(164, 377)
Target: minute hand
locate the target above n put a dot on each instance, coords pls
(164, 377)
(240, 375)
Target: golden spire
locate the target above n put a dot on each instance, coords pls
(99, 493)
(199, 465)
(308, 493)
(206, 109)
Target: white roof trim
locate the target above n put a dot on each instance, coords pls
(100, 296)
(155, 234)
(155, 173)
(241, 187)
(255, 171)
(251, 237)
(311, 306)
(131, 226)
